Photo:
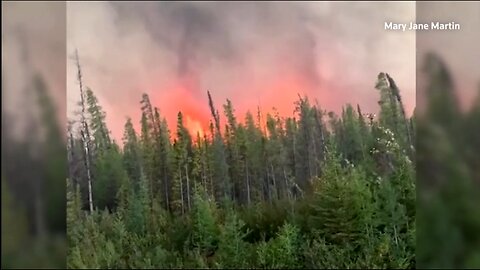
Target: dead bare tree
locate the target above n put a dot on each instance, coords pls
(85, 133)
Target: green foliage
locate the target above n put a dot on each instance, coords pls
(109, 175)
(233, 250)
(282, 251)
(205, 231)
(264, 219)
(342, 206)
(294, 192)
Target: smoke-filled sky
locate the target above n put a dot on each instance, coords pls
(253, 53)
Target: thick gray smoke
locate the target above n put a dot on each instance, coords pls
(254, 53)
(200, 34)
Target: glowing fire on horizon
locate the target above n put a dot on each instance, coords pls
(193, 126)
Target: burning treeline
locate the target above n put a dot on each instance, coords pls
(262, 158)
(248, 187)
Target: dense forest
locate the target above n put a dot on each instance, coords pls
(312, 190)
(316, 229)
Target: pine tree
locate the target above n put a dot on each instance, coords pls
(107, 166)
(341, 211)
(233, 250)
(244, 184)
(164, 158)
(306, 152)
(147, 150)
(183, 150)
(276, 157)
(109, 175)
(100, 133)
(233, 154)
(290, 152)
(220, 167)
(392, 115)
(200, 166)
(136, 218)
(366, 139)
(131, 153)
(205, 230)
(254, 159)
(74, 212)
(155, 151)
(321, 136)
(352, 146)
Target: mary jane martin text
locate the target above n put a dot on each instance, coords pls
(412, 26)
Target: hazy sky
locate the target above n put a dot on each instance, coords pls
(254, 53)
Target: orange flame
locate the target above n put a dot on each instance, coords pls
(193, 126)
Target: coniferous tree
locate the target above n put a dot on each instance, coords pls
(233, 154)
(294, 192)
(352, 146)
(305, 150)
(108, 167)
(254, 160)
(99, 131)
(147, 149)
(392, 115)
(131, 153)
(183, 166)
(220, 166)
(205, 230)
(164, 158)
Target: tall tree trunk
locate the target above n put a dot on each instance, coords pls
(89, 176)
(85, 133)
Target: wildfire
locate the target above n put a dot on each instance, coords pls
(182, 96)
(193, 126)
